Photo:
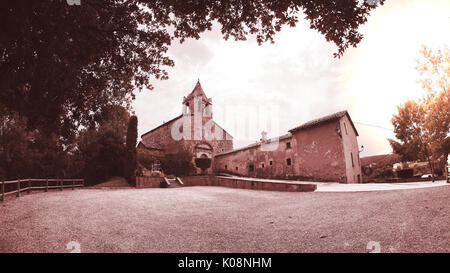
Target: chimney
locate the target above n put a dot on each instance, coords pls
(263, 136)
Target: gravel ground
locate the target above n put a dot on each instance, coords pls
(217, 219)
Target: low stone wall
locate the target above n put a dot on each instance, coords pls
(148, 182)
(198, 180)
(248, 183)
(231, 182)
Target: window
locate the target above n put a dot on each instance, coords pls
(199, 105)
(251, 168)
(270, 162)
(353, 164)
(226, 167)
(345, 127)
(262, 165)
(236, 168)
(288, 161)
(288, 145)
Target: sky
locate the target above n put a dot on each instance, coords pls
(297, 79)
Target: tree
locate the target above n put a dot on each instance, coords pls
(60, 64)
(14, 140)
(423, 126)
(101, 148)
(178, 163)
(203, 163)
(103, 154)
(131, 161)
(25, 154)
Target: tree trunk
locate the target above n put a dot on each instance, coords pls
(431, 168)
(429, 161)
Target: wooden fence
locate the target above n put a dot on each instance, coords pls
(17, 186)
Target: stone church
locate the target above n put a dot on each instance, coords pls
(194, 129)
(324, 149)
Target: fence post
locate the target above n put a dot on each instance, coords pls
(46, 185)
(73, 184)
(18, 188)
(29, 185)
(61, 184)
(3, 191)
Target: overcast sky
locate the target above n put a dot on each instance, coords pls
(297, 79)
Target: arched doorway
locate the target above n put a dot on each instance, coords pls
(203, 157)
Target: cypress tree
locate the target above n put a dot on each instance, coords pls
(131, 158)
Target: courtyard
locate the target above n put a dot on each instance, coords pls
(218, 219)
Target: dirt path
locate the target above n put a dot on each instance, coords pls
(216, 219)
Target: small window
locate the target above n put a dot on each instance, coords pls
(353, 164)
(236, 168)
(262, 165)
(270, 162)
(187, 109)
(199, 105)
(345, 127)
(226, 167)
(288, 145)
(251, 168)
(288, 161)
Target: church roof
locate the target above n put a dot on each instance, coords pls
(151, 145)
(256, 144)
(165, 123)
(324, 119)
(197, 92)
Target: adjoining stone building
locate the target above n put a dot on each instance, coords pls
(325, 149)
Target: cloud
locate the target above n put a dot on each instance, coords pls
(299, 74)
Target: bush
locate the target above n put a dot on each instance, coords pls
(405, 173)
(103, 154)
(179, 163)
(156, 174)
(203, 163)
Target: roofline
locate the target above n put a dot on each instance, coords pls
(257, 144)
(149, 148)
(331, 117)
(223, 129)
(165, 123)
(351, 122)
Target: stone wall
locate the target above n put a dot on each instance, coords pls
(162, 136)
(248, 183)
(148, 182)
(315, 153)
(267, 161)
(351, 151)
(320, 154)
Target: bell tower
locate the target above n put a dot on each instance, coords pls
(196, 103)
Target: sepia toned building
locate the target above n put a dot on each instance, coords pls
(194, 130)
(324, 149)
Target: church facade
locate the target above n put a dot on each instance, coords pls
(194, 129)
(324, 149)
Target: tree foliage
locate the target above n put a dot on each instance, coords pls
(203, 163)
(422, 127)
(178, 163)
(61, 64)
(103, 154)
(25, 154)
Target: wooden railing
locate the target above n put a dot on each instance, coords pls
(36, 184)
